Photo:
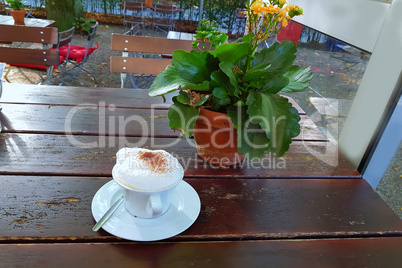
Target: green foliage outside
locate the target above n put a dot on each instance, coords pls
(15, 4)
(64, 12)
(83, 24)
(223, 12)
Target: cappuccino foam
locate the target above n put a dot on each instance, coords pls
(147, 170)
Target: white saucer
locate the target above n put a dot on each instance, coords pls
(181, 214)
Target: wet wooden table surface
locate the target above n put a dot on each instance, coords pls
(57, 149)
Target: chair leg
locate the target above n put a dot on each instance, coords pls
(132, 81)
(88, 72)
(1, 74)
(122, 79)
(1, 86)
(49, 71)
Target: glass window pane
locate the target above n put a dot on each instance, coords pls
(338, 69)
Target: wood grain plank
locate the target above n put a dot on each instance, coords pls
(46, 208)
(138, 65)
(368, 252)
(147, 44)
(24, 33)
(95, 156)
(78, 96)
(29, 56)
(73, 96)
(94, 120)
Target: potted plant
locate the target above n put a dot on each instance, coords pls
(231, 90)
(148, 3)
(17, 10)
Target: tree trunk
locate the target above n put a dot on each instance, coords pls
(64, 12)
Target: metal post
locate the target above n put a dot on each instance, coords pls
(201, 11)
(181, 6)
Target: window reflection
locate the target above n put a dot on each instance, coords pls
(338, 69)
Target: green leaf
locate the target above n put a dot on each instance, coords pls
(219, 79)
(187, 99)
(194, 66)
(276, 117)
(182, 117)
(227, 68)
(237, 114)
(252, 141)
(279, 54)
(232, 52)
(299, 78)
(275, 84)
(170, 80)
(184, 97)
(273, 60)
(246, 38)
(223, 102)
(219, 92)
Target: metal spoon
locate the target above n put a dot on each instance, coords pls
(108, 213)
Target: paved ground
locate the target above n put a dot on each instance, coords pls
(335, 79)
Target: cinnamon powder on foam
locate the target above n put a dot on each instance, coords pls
(156, 162)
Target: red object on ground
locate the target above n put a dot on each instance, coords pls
(291, 32)
(76, 52)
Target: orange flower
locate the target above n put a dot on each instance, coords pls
(271, 9)
(265, 9)
(283, 16)
(256, 9)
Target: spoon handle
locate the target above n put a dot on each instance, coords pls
(108, 213)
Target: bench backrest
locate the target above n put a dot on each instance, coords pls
(26, 34)
(164, 9)
(133, 6)
(154, 45)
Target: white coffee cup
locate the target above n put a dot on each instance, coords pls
(148, 182)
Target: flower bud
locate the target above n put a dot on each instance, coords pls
(295, 11)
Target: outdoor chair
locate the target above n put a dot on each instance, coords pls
(163, 17)
(135, 30)
(135, 13)
(79, 55)
(64, 40)
(29, 11)
(30, 57)
(148, 58)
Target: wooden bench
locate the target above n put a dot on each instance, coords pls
(26, 34)
(129, 44)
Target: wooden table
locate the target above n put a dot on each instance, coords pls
(8, 20)
(315, 212)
